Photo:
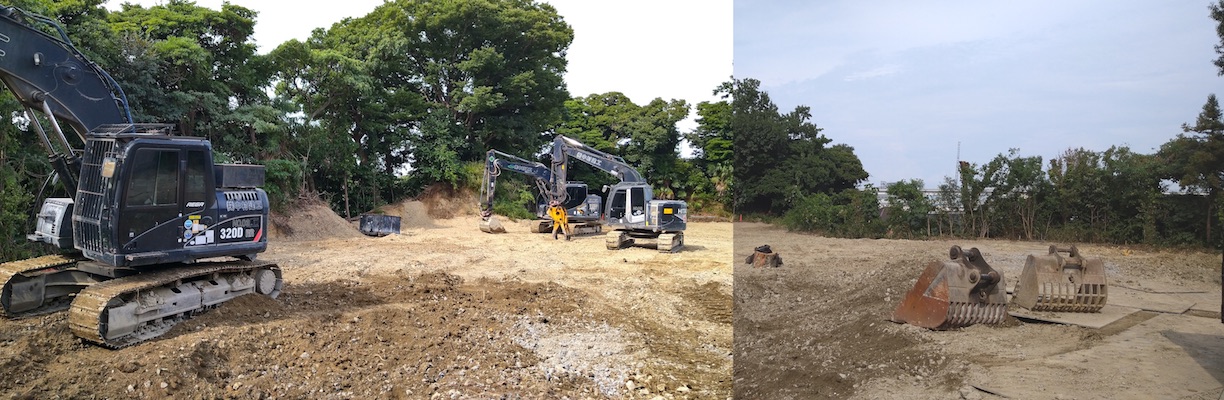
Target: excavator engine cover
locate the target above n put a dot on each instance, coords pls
(956, 293)
(1056, 283)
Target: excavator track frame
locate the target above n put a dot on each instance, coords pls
(126, 311)
(41, 285)
(664, 242)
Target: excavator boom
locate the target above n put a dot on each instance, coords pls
(46, 72)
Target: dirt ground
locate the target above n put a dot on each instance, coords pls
(439, 311)
(818, 327)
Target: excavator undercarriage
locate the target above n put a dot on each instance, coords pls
(123, 312)
(118, 307)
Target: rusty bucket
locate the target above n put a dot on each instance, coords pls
(958, 292)
(1053, 282)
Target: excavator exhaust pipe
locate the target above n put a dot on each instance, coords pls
(1056, 283)
(955, 293)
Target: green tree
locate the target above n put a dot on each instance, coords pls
(205, 63)
(436, 152)
(1078, 194)
(907, 208)
(645, 136)
(496, 66)
(713, 143)
(1195, 158)
(780, 158)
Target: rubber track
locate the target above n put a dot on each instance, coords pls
(85, 315)
(667, 242)
(13, 268)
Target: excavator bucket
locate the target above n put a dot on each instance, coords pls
(1056, 283)
(491, 225)
(955, 293)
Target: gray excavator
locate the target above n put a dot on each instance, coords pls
(582, 209)
(153, 231)
(632, 213)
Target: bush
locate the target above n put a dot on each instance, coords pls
(850, 213)
(283, 182)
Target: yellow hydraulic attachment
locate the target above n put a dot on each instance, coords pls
(560, 220)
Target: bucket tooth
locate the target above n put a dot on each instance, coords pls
(959, 292)
(1058, 283)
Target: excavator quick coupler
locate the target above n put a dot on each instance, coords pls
(955, 293)
(1058, 283)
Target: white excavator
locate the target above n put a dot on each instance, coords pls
(629, 211)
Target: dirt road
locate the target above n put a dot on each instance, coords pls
(441, 311)
(817, 327)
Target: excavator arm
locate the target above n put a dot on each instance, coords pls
(48, 75)
(495, 162)
(565, 147)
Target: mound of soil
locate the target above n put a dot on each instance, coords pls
(412, 213)
(443, 202)
(310, 220)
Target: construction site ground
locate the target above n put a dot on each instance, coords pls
(818, 326)
(439, 311)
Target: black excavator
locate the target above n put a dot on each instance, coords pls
(153, 233)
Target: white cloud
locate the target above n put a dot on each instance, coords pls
(873, 73)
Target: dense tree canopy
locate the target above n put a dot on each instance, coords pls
(645, 136)
(780, 158)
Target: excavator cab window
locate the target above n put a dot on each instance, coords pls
(196, 188)
(616, 207)
(575, 195)
(154, 178)
(152, 201)
(638, 204)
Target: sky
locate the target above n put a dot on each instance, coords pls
(909, 84)
(646, 49)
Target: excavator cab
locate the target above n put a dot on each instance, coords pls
(575, 203)
(147, 198)
(639, 219)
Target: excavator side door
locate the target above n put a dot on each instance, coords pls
(637, 205)
(166, 192)
(627, 205)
